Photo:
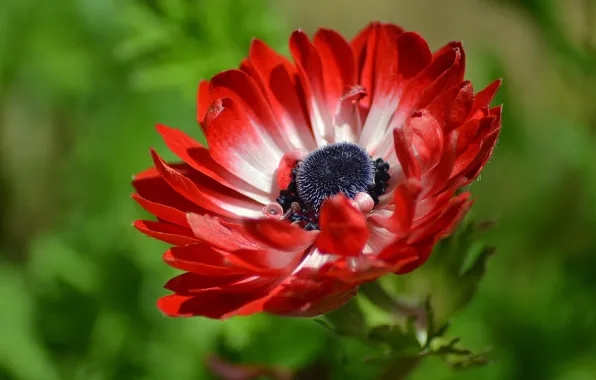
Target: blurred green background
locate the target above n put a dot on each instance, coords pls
(82, 84)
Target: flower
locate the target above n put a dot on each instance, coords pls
(319, 174)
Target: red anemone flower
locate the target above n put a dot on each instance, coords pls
(320, 174)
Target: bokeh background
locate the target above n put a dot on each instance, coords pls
(82, 84)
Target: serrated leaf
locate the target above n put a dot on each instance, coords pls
(404, 345)
(458, 357)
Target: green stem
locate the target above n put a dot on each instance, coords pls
(374, 292)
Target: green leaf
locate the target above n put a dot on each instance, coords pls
(348, 320)
(451, 276)
(414, 334)
(402, 342)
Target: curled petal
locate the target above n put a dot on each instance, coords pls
(273, 210)
(347, 119)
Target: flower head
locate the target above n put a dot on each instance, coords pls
(320, 174)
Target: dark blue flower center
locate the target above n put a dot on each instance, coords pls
(335, 168)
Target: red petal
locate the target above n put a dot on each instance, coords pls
(168, 213)
(367, 51)
(414, 54)
(437, 178)
(244, 91)
(153, 188)
(188, 283)
(292, 305)
(431, 207)
(203, 101)
(279, 234)
(198, 157)
(443, 224)
(343, 228)
(208, 261)
(284, 171)
(486, 96)
(443, 72)
(488, 146)
(201, 259)
(450, 77)
(452, 107)
(338, 64)
(405, 199)
(421, 251)
(220, 235)
(347, 118)
(239, 145)
(405, 155)
(275, 75)
(169, 233)
(311, 75)
(385, 96)
(308, 293)
(211, 304)
(207, 193)
(427, 138)
(364, 47)
(480, 149)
